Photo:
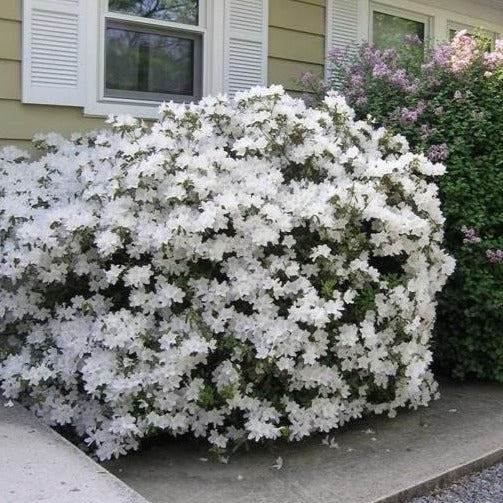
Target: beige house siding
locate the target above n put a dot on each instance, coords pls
(295, 45)
(296, 40)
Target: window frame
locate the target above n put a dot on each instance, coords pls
(158, 26)
(138, 95)
(410, 15)
(210, 29)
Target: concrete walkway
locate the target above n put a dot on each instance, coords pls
(377, 460)
(39, 466)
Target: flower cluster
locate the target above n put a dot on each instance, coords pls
(439, 152)
(447, 103)
(470, 235)
(495, 256)
(242, 269)
(464, 50)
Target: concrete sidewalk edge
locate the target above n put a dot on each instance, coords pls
(38, 463)
(443, 479)
(130, 494)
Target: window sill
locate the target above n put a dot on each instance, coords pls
(140, 109)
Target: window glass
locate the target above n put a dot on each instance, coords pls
(390, 31)
(138, 63)
(177, 11)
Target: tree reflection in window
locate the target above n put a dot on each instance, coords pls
(149, 62)
(390, 31)
(177, 11)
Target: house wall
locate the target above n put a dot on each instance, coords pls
(296, 44)
(296, 40)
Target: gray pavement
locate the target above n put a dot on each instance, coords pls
(375, 460)
(39, 466)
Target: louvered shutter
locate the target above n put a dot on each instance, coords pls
(53, 52)
(342, 23)
(246, 47)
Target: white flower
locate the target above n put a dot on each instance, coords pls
(107, 242)
(321, 251)
(330, 442)
(138, 275)
(218, 440)
(113, 273)
(278, 464)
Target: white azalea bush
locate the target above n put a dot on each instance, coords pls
(244, 269)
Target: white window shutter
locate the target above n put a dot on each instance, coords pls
(53, 52)
(342, 23)
(246, 45)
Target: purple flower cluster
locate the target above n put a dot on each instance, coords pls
(373, 64)
(427, 131)
(495, 256)
(399, 77)
(380, 69)
(438, 58)
(356, 79)
(469, 236)
(409, 116)
(307, 78)
(314, 85)
(335, 52)
(361, 101)
(464, 51)
(438, 153)
(492, 59)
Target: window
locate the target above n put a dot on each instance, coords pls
(386, 22)
(126, 56)
(153, 50)
(390, 26)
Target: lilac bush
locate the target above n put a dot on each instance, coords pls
(448, 103)
(242, 270)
